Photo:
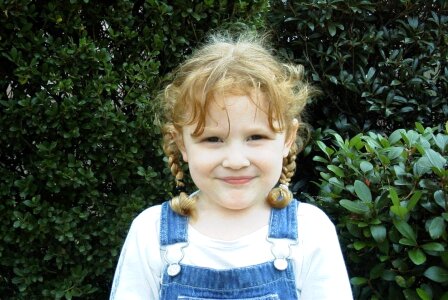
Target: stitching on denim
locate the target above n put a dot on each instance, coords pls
(225, 290)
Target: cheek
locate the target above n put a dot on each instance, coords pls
(272, 161)
(199, 165)
(277, 168)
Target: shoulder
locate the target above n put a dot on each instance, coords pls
(143, 236)
(313, 221)
(149, 214)
(147, 222)
(311, 212)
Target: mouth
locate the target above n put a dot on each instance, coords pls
(237, 180)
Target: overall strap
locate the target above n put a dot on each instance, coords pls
(173, 227)
(283, 224)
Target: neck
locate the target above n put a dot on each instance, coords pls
(230, 224)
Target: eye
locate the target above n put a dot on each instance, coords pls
(256, 137)
(212, 139)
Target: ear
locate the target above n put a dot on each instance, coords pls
(179, 140)
(290, 138)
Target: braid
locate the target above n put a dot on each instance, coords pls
(289, 165)
(280, 196)
(182, 204)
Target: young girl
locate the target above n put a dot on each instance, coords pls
(232, 114)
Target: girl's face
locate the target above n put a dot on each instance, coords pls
(238, 158)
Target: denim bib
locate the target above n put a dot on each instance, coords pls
(266, 281)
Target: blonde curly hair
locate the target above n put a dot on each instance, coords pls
(233, 66)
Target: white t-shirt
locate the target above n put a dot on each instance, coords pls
(318, 263)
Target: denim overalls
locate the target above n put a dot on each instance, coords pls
(270, 280)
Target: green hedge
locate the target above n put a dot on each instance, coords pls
(389, 197)
(80, 154)
(381, 65)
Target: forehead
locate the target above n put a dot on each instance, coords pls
(222, 108)
(237, 108)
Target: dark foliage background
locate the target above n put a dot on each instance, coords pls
(80, 151)
(381, 65)
(80, 154)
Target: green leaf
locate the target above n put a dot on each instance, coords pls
(335, 181)
(370, 74)
(363, 191)
(406, 230)
(320, 159)
(422, 166)
(445, 216)
(388, 275)
(414, 200)
(358, 281)
(356, 141)
(356, 207)
(417, 256)
(413, 22)
(378, 233)
(332, 29)
(401, 99)
(358, 245)
(437, 274)
(419, 127)
(435, 158)
(339, 139)
(394, 152)
(336, 170)
(440, 199)
(400, 281)
(395, 82)
(333, 79)
(436, 247)
(325, 149)
(400, 211)
(422, 294)
(436, 227)
(394, 196)
(407, 242)
(141, 171)
(325, 176)
(395, 136)
(441, 141)
(365, 166)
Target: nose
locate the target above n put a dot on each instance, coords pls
(236, 157)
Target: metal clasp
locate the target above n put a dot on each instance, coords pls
(280, 260)
(174, 266)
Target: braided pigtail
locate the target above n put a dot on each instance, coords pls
(280, 196)
(182, 203)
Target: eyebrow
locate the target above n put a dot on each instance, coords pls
(253, 128)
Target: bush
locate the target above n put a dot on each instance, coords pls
(381, 65)
(79, 151)
(389, 197)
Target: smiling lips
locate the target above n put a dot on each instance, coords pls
(237, 180)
